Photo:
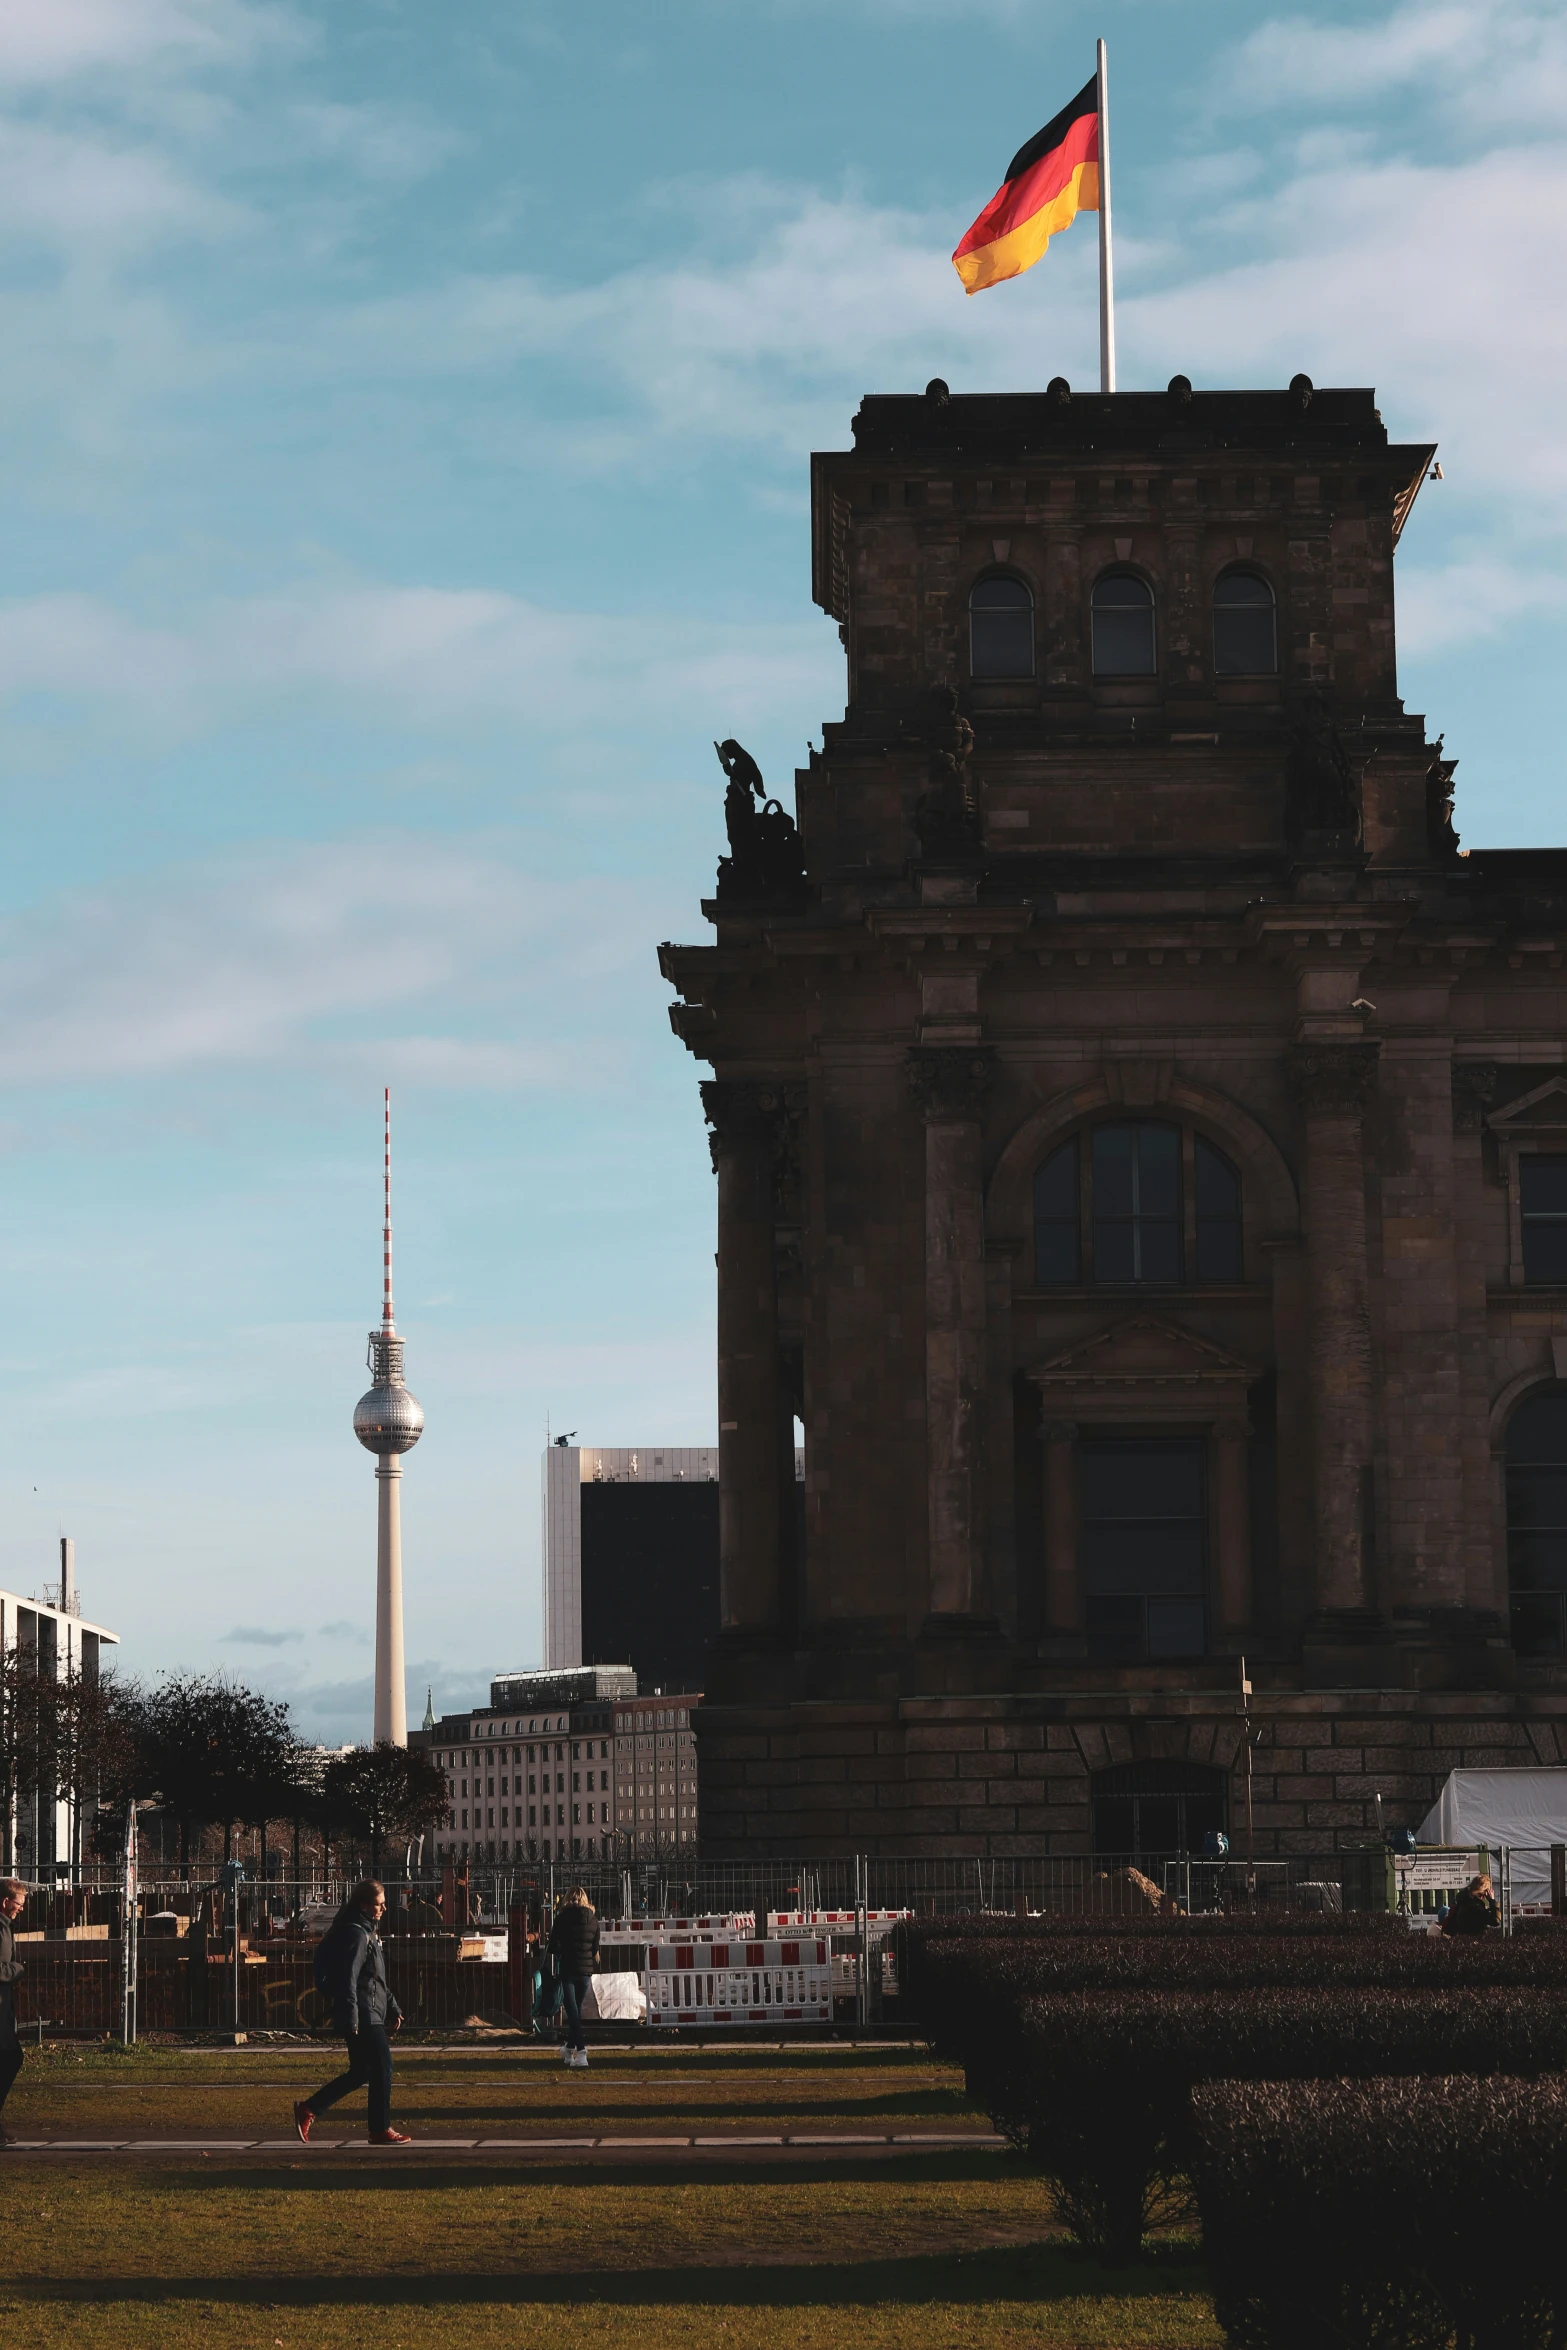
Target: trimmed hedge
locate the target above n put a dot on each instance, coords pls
(946, 1974)
(1098, 2086)
(1419, 2213)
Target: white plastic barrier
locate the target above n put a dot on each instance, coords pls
(768, 1982)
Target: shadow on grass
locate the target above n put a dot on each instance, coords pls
(914, 2105)
(406, 2174)
(1044, 2272)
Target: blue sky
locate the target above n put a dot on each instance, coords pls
(404, 425)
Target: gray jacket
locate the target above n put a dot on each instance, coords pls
(361, 1993)
(10, 1970)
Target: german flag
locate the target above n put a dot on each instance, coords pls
(1048, 183)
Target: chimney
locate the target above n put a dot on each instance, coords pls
(67, 1575)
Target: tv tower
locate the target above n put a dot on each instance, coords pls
(388, 1422)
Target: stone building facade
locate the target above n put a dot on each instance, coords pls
(1141, 1147)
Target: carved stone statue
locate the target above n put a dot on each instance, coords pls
(766, 859)
(1440, 831)
(1321, 791)
(946, 820)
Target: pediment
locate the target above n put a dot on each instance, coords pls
(1145, 1351)
(1544, 1111)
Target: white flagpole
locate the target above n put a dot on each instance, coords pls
(1106, 255)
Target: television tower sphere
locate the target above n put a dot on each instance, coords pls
(388, 1419)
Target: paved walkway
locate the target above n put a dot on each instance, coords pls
(861, 2145)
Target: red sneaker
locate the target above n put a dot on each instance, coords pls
(304, 2121)
(390, 2138)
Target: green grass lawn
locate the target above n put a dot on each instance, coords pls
(459, 2253)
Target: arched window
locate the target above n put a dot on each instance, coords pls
(1537, 1522)
(1001, 629)
(1245, 627)
(1123, 626)
(1137, 1201)
(1155, 1810)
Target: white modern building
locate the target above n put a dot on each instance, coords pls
(567, 1469)
(42, 1827)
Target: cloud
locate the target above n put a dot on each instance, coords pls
(257, 1636)
(82, 193)
(440, 655)
(1482, 65)
(44, 42)
(343, 1629)
(1459, 604)
(283, 955)
(1400, 275)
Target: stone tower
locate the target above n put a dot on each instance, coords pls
(1138, 1127)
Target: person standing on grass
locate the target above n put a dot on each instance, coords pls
(574, 1946)
(353, 1962)
(13, 1900)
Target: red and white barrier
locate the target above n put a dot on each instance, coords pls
(774, 1981)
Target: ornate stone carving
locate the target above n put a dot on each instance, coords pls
(949, 1082)
(946, 821)
(766, 859)
(762, 1116)
(1321, 790)
(1329, 1078)
(1474, 1084)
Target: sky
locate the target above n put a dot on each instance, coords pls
(405, 415)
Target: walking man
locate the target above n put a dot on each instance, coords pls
(574, 1944)
(13, 1900)
(351, 1964)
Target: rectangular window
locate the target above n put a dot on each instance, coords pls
(1542, 1199)
(1144, 1546)
(1137, 1203)
(533, 1815)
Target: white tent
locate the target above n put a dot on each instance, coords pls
(1526, 1810)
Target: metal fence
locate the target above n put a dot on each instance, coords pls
(462, 1949)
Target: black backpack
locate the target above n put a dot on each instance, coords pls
(331, 1951)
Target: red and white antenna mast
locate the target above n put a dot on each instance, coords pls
(386, 1227)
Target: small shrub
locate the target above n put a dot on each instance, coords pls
(1369, 2214)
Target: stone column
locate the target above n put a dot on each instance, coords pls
(744, 1118)
(1232, 1523)
(1063, 1584)
(949, 1085)
(1484, 1553)
(1331, 1081)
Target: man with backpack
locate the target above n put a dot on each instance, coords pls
(350, 1970)
(13, 1900)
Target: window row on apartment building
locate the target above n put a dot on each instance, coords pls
(608, 1777)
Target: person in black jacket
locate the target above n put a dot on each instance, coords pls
(1474, 1911)
(364, 2011)
(574, 1945)
(13, 1900)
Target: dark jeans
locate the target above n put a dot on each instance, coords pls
(573, 1991)
(10, 2066)
(369, 2067)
